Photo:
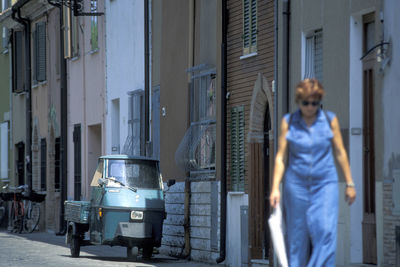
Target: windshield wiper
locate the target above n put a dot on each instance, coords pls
(134, 189)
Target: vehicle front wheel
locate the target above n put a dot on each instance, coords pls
(75, 246)
(147, 252)
(132, 252)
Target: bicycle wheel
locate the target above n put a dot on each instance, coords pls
(32, 216)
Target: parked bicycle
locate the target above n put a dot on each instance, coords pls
(25, 208)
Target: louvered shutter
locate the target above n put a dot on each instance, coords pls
(249, 26)
(18, 64)
(41, 51)
(253, 27)
(246, 26)
(237, 148)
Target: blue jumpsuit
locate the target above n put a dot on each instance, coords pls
(310, 192)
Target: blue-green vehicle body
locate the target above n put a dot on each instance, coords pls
(126, 206)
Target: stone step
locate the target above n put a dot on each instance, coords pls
(259, 263)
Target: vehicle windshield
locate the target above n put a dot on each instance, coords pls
(134, 173)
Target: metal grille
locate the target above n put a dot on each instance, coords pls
(196, 152)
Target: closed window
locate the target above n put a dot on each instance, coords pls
(237, 148)
(4, 151)
(43, 164)
(18, 62)
(39, 53)
(249, 26)
(314, 56)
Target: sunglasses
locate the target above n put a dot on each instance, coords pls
(313, 103)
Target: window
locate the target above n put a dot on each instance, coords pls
(313, 56)
(57, 165)
(74, 36)
(39, 53)
(94, 39)
(134, 144)
(77, 162)
(4, 40)
(237, 148)
(196, 152)
(4, 151)
(249, 26)
(43, 163)
(18, 60)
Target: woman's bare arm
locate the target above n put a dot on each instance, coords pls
(280, 161)
(342, 159)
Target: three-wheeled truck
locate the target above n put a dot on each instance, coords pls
(126, 207)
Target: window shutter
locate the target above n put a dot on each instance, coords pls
(43, 163)
(237, 148)
(34, 56)
(253, 39)
(18, 64)
(246, 26)
(41, 51)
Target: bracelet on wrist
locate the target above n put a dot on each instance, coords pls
(350, 185)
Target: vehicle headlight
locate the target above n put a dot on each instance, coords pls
(136, 215)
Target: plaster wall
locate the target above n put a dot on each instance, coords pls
(125, 61)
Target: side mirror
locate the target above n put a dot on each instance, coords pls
(170, 182)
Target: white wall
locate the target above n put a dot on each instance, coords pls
(355, 141)
(124, 60)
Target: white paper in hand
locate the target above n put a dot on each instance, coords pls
(277, 228)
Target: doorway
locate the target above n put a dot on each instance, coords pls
(369, 214)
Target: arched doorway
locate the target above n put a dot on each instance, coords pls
(260, 141)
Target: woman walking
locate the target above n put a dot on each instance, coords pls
(309, 141)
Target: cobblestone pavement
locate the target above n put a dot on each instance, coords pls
(46, 249)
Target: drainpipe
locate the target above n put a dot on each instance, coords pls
(285, 56)
(146, 80)
(64, 125)
(16, 10)
(222, 245)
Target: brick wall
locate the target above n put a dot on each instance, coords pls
(390, 221)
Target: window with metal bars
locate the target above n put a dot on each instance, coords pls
(135, 142)
(43, 164)
(314, 56)
(249, 26)
(237, 148)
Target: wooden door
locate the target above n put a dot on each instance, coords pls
(369, 219)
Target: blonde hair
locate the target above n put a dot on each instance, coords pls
(309, 87)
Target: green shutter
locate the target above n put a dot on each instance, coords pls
(41, 51)
(18, 63)
(237, 148)
(249, 26)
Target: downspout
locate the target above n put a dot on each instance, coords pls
(16, 9)
(285, 56)
(64, 125)
(146, 151)
(222, 241)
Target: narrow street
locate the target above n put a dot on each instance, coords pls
(46, 249)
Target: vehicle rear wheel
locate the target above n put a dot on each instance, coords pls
(147, 252)
(75, 245)
(32, 217)
(132, 252)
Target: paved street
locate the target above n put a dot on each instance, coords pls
(45, 249)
